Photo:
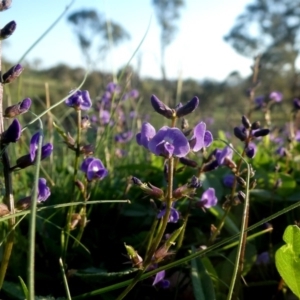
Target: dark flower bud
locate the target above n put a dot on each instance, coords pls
(8, 30)
(17, 109)
(13, 133)
(241, 181)
(261, 132)
(239, 133)
(241, 195)
(253, 184)
(161, 108)
(23, 203)
(80, 185)
(195, 183)
(296, 103)
(12, 74)
(136, 181)
(246, 122)
(210, 166)
(87, 150)
(187, 108)
(255, 125)
(5, 4)
(188, 162)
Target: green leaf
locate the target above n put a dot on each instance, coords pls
(287, 259)
(13, 290)
(24, 287)
(201, 280)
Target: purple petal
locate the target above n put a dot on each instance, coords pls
(146, 134)
(169, 136)
(43, 190)
(209, 198)
(34, 145)
(159, 277)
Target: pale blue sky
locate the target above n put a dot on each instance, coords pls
(198, 50)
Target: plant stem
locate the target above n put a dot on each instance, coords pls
(76, 164)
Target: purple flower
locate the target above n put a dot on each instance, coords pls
(259, 101)
(208, 199)
(276, 96)
(43, 190)
(223, 155)
(228, 180)
(13, 133)
(124, 137)
(29, 159)
(146, 134)
(263, 258)
(113, 88)
(80, 100)
(201, 137)
(159, 279)
(104, 116)
(93, 168)
(169, 142)
(174, 215)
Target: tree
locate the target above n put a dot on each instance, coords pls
(270, 28)
(94, 33)
(167, 14)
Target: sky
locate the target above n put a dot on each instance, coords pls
(198, 51)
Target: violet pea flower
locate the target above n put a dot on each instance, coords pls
(13, 132)
(169, 142)
(201, 137)
(146, 134)
(80, 100)
(93, 168)
(208, 199)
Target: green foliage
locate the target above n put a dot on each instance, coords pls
(287, 259)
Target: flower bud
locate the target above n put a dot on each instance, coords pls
(5, 4)
(148, 188)
(75, 218)
(136, 260)
(161, 108)
(80, 185)
(12, 74)
(239, 133)
(246, 122)
(241, 195)
(188, 162)
(210, 166)
(17, 109)
(23, 203)
(255, 125)
(241, 181)
(187, 108)
(13, 133)
(261, 132)
(8, 30)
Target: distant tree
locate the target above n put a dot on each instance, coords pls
(167, 14)
(94, 33)
(270, 28)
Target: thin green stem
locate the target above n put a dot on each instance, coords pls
(32, 225)
(62, 269)
(76, 165)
